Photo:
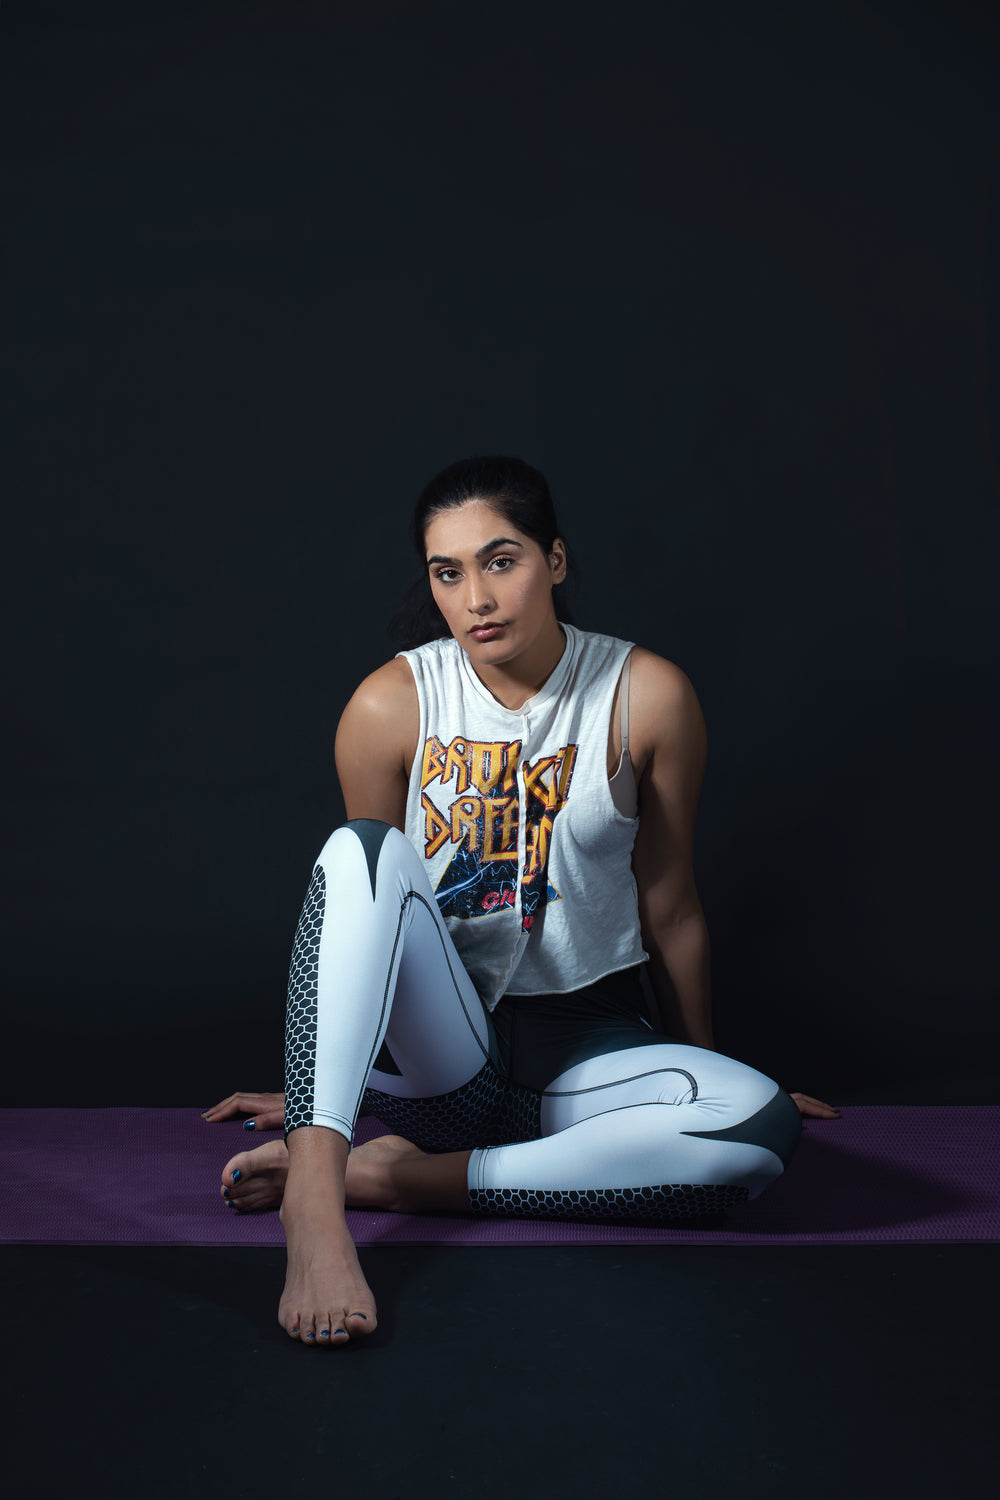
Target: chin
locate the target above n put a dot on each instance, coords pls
(494, 651)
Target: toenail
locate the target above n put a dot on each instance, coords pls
(310, 1335)
(358, 1315)
(340, 1330)
(324, 1333)
(237, 1175)
(249, 1124)
(225, 1192)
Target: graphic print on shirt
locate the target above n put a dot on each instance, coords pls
(481, 823)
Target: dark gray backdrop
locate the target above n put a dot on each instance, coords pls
(728, 273)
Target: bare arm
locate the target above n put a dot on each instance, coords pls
(670, 750)
(375, 746)
(376, 743)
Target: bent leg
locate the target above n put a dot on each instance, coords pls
(368, 906)
(650, 1134)
(378, 997)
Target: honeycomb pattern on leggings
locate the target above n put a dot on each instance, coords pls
(445, 1122)
(650, 1205)
(519, 1117)
(486, 1111)
(300, 1019)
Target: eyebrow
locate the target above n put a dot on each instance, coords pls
(498, 541)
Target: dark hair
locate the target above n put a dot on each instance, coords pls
(521, 495)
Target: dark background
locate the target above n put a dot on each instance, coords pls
(727, 273)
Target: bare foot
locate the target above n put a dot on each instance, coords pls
(326, 1298)
(373, 1175)
(388, 1172)
(255, 1180)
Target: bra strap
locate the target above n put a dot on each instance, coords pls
(623, 702)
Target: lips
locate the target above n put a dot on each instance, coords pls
(485, 632)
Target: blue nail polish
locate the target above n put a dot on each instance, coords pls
(310, 1335)
(225, 1192)
(237, 1175)
(324, 1333)
(249, 1124)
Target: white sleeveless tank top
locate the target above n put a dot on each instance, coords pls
(529, 857)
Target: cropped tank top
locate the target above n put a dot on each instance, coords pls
(527, 853)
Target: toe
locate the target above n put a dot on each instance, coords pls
(236, 1170)
(358, 1324)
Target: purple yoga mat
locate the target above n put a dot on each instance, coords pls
(925, 1173)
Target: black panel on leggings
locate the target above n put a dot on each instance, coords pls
(371, 832)
(540, 1036)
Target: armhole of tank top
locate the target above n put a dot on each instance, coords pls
(624, 793)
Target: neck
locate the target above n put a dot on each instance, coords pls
(513, 682)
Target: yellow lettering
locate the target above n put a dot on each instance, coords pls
(465, 815)
(533, 780)
(433, 765)
(567, 760)
(487, 764)
(456, 759)
(511, 757)
(436, 830)
(493, 807)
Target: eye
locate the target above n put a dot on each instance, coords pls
(494, 563)
(446, 575)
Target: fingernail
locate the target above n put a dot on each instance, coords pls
(249, 1124)
(237, 1175)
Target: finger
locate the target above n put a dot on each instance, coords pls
(815, 1108)
(222, 1111)
(266, 1119)
(236, 1104)
(818, 1105)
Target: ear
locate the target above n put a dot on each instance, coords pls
(557, 560)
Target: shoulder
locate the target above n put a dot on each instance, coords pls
(384, 709)
(664, 709)
(386, 691)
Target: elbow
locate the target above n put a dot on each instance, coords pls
(661, 924)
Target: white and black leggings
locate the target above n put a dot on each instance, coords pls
(573, 1107)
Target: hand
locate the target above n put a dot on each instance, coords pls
(815, 1107)
(267, 1111)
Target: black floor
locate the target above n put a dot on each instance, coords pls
(813, 1372)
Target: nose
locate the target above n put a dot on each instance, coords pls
(480, 600)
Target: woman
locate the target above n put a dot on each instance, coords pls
(521, 799)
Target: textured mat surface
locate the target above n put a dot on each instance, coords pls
(881, 1173)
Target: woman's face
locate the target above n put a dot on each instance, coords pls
(492, 583)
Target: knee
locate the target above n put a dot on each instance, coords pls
(777, 1126)
(368, 830)
(379, 842)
